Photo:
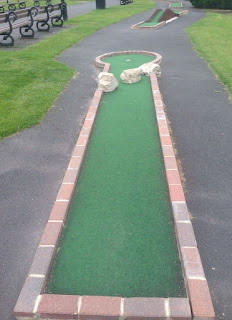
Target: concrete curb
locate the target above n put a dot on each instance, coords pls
(33, 303)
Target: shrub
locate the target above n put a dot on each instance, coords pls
(212, 4)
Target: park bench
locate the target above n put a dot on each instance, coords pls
(12, 5)
(19, 19)
(123, 2)
(23, 19)
(55, 12)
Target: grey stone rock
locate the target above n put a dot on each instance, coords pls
(107, 82)
(131, 75)
(149, 67)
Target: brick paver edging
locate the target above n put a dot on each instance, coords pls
(34, 304)
(138, 26)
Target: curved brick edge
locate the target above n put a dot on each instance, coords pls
(32, 304)
(170, 3)
(196, 283)
(106, 65)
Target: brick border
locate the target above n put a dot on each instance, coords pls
(33, 303)
(138, 26)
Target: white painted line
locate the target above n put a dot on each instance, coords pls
(37, 301)
(167, 309)
(197, 278)
(79, 307)
(68, 183)
(122, 310)
(170, 20)
(184, 221)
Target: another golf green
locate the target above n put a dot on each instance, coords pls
(175, 4)
(154, 22)
(119, 238)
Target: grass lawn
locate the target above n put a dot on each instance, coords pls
(32, 79)
(212, 39)
(30, 3)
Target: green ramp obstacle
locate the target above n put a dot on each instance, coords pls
(154, 21)
(119, 239)
(158, 18)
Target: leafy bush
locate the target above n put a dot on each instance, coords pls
(212, 4)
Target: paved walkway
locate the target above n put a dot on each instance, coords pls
(33, 162)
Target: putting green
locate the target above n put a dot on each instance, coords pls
(175, 4)
(154, 22)
(119, 238)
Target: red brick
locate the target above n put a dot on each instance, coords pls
(144, 309)
(65, 192)
(153, 78)
(92, 109)
(79, 151)
(162, 123)
(42, 261)
(85, 131)
(164, 131)
(106, 67)
(173, 177)
(179, 309)
(200, 299)
(51, 233)
(192, 262)
(170, 163)
(168, 151)
(95, 102)
(159, 109)
(71, 176)
(58, 307)
(27, 298)
(75, 163)
(100, 308)
(180, 211)
(158, 103)
(176, 193)
(59, 210)
(185, 235)
(82, 141)
(166, 141)
(98, 94)
(156, 94)
(88, 123)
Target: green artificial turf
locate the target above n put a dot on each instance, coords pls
(118, 239)
(154, 22)
(175, 4)
(212, 39)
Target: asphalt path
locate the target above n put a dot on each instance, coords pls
(33, 162)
